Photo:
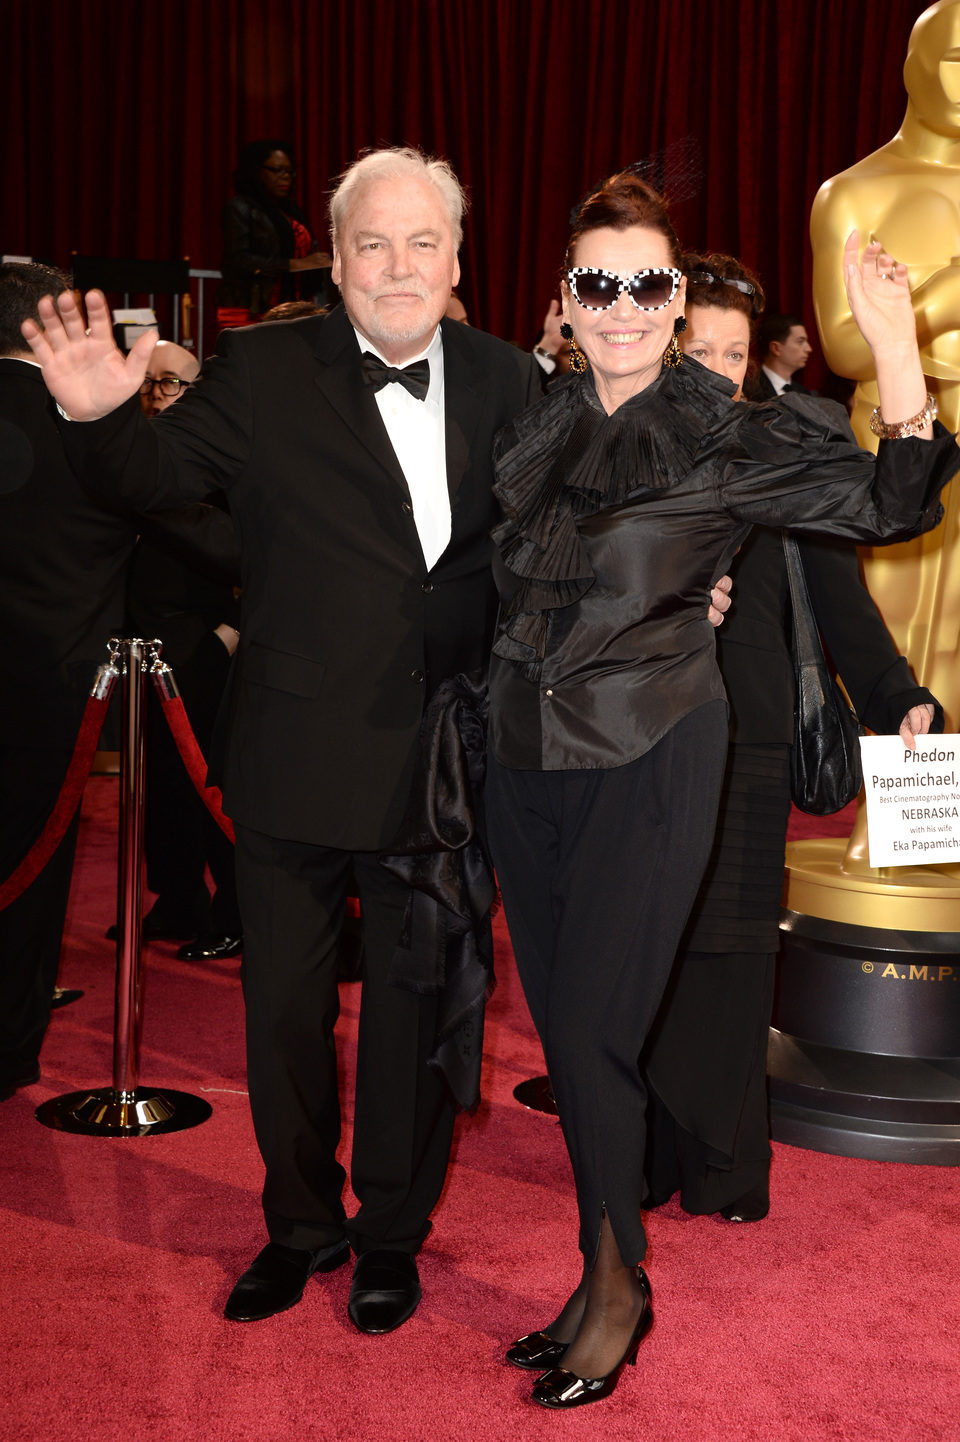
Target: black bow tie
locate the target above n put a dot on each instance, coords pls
(416, 377)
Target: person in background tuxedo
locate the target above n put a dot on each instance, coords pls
(191, 605)
(552, 350)
(64, 560)
(785, 349)
(355, 452)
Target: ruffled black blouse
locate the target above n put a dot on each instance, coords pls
(617, 526)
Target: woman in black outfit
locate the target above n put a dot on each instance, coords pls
(266, 237)
(708, 1130)
(626, 492)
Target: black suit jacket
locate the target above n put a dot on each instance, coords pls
(344, 632)
(63, 566)
(182, 583)
(758, 386)
(63, 561)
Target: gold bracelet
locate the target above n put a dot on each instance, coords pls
(899, 430)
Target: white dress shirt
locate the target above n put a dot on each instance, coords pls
(416, 432)
(777, 381)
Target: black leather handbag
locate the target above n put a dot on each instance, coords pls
(825, 766)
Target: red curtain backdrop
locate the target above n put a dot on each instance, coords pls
(122, 119)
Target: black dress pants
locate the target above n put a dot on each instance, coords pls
(599, 870)
(180, 836)
(292, 899)
(31, 928)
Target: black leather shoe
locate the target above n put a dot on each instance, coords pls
(10, 1088)
(277, 1278)
(559, 1389)
(753, 1206)
(158, 928)
(385, 1291)
(211, 948)
(64, 995)
(535, 1352)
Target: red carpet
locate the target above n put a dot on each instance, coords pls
(837, 1318)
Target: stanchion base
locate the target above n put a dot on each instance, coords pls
(536, 1096)
(109, 1113)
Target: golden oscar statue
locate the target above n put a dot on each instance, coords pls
(869, 974)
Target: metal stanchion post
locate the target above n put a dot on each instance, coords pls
(127, 1109)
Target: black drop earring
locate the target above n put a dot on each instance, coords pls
(673, 355)
(578, 361)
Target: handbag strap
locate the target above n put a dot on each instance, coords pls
(807, 646)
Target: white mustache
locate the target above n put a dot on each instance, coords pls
(416, 290)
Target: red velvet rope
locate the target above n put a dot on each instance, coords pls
(66, 804)
(192, 758)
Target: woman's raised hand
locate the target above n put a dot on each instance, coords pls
(85, 372)
(879, 294)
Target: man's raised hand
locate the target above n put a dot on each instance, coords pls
(85, 372)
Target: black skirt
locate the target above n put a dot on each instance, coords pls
(705, 1063)
(738, 905)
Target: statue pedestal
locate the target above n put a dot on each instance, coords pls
(864, 1056)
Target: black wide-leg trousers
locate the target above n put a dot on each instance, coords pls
(292, 899)
(598, 871)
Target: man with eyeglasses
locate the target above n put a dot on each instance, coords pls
(171, 371)
(182, 590)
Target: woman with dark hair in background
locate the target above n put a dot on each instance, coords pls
(707, 1123)
(626, 492)
(266, 237)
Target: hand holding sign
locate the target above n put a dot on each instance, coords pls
(913, 800)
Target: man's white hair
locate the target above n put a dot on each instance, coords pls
(398, 163)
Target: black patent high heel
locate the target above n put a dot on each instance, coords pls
(536, 1351)
(560, 1389)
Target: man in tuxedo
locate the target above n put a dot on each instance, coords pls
(355, 453)
(189, 602)
(364, 509)
(785, 349)
(63, 560)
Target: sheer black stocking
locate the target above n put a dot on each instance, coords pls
(612, 1307)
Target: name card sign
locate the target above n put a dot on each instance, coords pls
(913, 800)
